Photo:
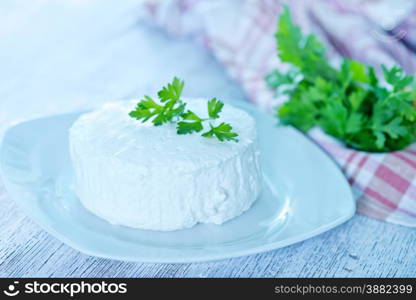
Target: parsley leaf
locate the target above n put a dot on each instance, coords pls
(396, 78)
(222, 132)
(146, 109)
(348, 103)
(172, 91)
(191, 123)
(304, 52)
(214, 108)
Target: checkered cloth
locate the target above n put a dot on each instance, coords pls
(240, 34)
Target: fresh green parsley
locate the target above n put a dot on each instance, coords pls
(222, 132)
(172, 109)
(191, 123)
(349, 103)
(214, 108)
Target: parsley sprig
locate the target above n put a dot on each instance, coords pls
(172, 109)
(349, 103)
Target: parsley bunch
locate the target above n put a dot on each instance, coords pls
(349, 103)
(172, 109)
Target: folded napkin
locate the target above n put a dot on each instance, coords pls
(240, 34)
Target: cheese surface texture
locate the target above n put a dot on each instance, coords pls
(144, 176)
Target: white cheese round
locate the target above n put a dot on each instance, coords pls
(139, 175)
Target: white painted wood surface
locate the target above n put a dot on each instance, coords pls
(59, 56)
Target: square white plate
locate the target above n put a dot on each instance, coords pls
(304, 194)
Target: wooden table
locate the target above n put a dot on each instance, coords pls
(57, 58)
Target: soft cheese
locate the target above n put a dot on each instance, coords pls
(139, 175)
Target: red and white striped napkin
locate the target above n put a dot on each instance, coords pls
(240, 34)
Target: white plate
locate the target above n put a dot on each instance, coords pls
(304, 194)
